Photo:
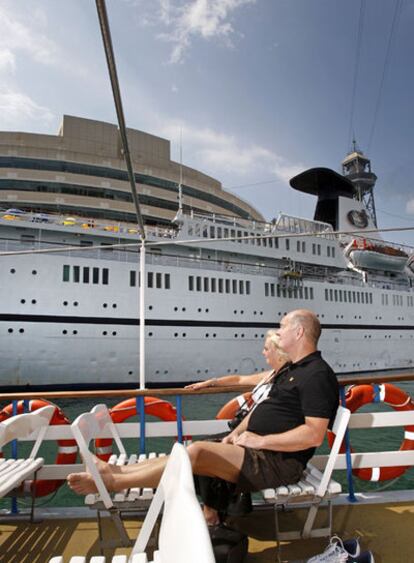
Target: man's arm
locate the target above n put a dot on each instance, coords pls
(308, 435)
(240, 429)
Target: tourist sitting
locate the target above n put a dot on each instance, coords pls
(273, 443)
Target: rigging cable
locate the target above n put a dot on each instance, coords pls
(356, 71)
(394, 24)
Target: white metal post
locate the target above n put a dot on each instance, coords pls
(142, 317)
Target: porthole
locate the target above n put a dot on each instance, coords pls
(261, 312)
(150, 334)
(23, 301)
(206, 371)
(104, 333)
(75, 303)
(150, 307)
(114, 305)
(114, 333)
(214, 335)
(34, 301)
(21, 330)
(207, 310)
(175, 334)
(235, 312)
(64, 331)
(198, 371)
(130, 372)
(242, 312)
(183, 308)
(75, 332)
(105, 305)
(175, 308)
(184, 334)
(165, 371)
(12, 271)
(34, 272)
(207, 335)
(65, 303)
(10, 330)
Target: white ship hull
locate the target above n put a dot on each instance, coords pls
(75, 333)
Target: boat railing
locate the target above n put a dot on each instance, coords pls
(181, 427)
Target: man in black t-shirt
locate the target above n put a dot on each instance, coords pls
(271, 446)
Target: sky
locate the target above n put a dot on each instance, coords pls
(258, 90)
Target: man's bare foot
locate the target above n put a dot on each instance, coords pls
(84, 483)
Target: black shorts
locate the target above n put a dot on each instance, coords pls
(265, 469)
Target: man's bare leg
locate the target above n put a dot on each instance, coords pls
(213, 459)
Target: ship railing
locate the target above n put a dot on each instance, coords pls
(364, 240)
(298, 225)
(181, 428)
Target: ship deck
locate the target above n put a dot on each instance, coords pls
(384, 526)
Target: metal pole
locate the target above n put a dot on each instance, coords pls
(142, 285)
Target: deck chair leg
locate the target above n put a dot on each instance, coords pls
(277, 530)
(116, 519)
(100, 531)
(310, 519)
(33, 499)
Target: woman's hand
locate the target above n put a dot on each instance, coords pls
(201, 384)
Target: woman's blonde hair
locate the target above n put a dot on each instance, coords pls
(273, 337)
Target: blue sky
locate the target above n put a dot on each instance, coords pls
(261, 89)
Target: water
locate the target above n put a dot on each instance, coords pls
(205, 407)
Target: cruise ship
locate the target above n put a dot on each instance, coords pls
(217, 276)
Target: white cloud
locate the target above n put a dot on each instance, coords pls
(16, 35)
(7, 61)
(410, 207)
(197, 18)
(223, 154)
(16, 108)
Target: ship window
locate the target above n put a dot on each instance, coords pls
(167, 283)
(276, 242)
(333, 252)
(313, 248)
(295, 292)
(328, 251)
(326, 295)
(303, 246)
(259, 241)
(265, 242)
(158, 280)
(270, 242)
(266, 289)
(150, 279)
(205, 231)
(272, 289)
(340, 295)
(278, 290)
(66, 271)
(345, 296)
(95, 275)
(239, 235)
(362, 297)
(234, 286)
(212, 232)
(336, 295)
(311, 292)
(350, 296)
(301, 293)
(226, 232)
(241, 287)
(220, 285)
(306, 293)
(227, 286)
(358, 297)
(132, 278)
(191, 283)
(252, 240)
(319, 249)
(287, 242)
(197, 229)
(206, 284)
(85, 275)
(198, 283)
(331, 294)
(298, 245)
(233, 233)
(213, 285)
(284, 293)
(246, 234)
(353, 297)
(76, 274)
(248, 288)
(190, 230)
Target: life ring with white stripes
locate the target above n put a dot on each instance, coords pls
(67, 449)
(125, 409)
(360, 395)
(232, 406)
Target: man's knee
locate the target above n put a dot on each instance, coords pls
(195, 451)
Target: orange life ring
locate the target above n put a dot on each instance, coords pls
(396, 398)
(229, 409)
(125, 409)
(67, 449)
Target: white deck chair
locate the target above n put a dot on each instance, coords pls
(184, 536)
(314, 487)
(13, 472)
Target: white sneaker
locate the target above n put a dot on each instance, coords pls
(334, 553)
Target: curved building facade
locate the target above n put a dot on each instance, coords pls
(81, 171)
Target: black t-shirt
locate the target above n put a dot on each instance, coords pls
(305, 388)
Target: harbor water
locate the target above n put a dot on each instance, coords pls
(197, 407)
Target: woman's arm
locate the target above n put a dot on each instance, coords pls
(228, 380)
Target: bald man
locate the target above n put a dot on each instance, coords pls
(272, 445)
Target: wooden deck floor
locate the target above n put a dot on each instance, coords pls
(385, 529)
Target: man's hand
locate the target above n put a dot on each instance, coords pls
(250, 440)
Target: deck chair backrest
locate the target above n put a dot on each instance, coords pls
(23, 425)
(91, 425)
(339, 428)
(183, 534)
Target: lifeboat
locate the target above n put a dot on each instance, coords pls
(370, 255)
